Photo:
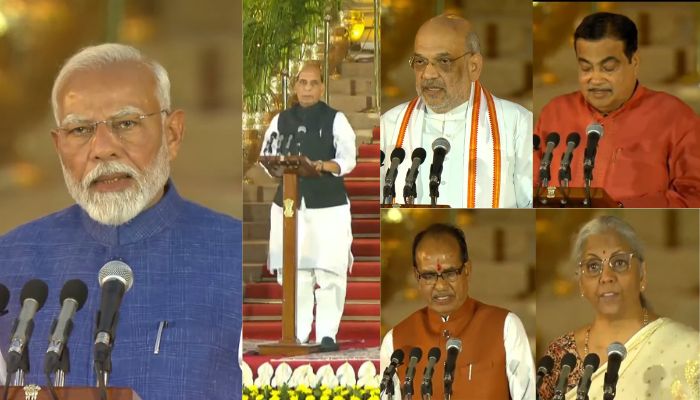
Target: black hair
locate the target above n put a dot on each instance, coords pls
(603, 25)
(442, 229)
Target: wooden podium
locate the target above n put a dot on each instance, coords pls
(74, 393)
(573, 197)
(292, 167)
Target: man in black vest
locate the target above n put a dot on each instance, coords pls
(324, 234)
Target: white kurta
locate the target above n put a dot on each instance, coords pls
(324, 235)
(515, 128)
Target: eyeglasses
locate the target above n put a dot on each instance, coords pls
(431, 278)
(444, 63)
(80, 132)
(619, 263)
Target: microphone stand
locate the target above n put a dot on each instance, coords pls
(389, 390)
(59, 379)
(409, 193)
(388, 194)
(588, 176)
(564, 177)
(434, 193)
(23, 368)
(426, 390)
(408, 388)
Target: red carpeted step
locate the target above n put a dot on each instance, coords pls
(272, 290)
(349, 330)
(360, 269)
(365, 170)
(365, 226)
(362, 247)
(375, 133)
(368, 151)
(275, 310)
(255, 361)
(362, 188)
(364, 207)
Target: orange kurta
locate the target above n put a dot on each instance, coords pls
(649, 155)
(480, 327)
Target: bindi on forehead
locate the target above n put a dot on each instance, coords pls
(438, 267)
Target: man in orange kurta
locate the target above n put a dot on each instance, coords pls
(649, 154)
(495, 361)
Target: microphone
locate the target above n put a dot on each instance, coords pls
(590, 365)
(568, 362)
(426, 387)
(409, 189)
(572, 142)
(115, 279)
(4, 299)
(440, 148)
(616, 353)
(535, 142)
(414, 356)
(73, 297)
(32, 298)
(381, 158)
(454, 346)
(270, 141)
(396, 360)
(288, 146)
(594, 131)
(301, 132)
(397, 156)
(544, 368)
(552, 142)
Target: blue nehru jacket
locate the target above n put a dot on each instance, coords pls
(186, 262)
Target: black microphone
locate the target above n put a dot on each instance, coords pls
(417, 157)
(594, 131)
(396, 360)
(454, 346)
(414, 356)
(32, 298)
(270, 141)
(616, 353)
(440, 148)
(572, 142)
(115, 279)
(426, 387)
(535, 142)
(552, 142)
(298, 138)
(568, 362)
(288, 145)
(381, 158)
(4, 299)
(397, 156)
(590, 365)
(73, 296)
(544, 368)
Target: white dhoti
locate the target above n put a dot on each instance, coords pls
(324, 237)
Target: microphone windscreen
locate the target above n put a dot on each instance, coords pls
(397, 355)
(454, 343)
(595, 127)
(4, 297)
(35, 289)
(441, 143)
(416, 352)
(116, 270)
(74, 289)
(434, 353)
(617, 348)
(573, 137)
(570, 360)
(593, 360)
(419, 153)
(554, 138)
(535, 142)
(547, 363)
(399, 153)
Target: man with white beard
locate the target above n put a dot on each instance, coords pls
(116, 135)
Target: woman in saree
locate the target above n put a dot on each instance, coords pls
(662, 354)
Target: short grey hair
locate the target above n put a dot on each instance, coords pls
(473, 42)
(607, 223)
(93, 57)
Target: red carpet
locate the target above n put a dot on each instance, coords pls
(366, 331)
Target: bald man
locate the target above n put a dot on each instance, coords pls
(324, 220)
(489, 163)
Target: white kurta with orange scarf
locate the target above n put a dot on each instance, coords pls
(490, 160)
